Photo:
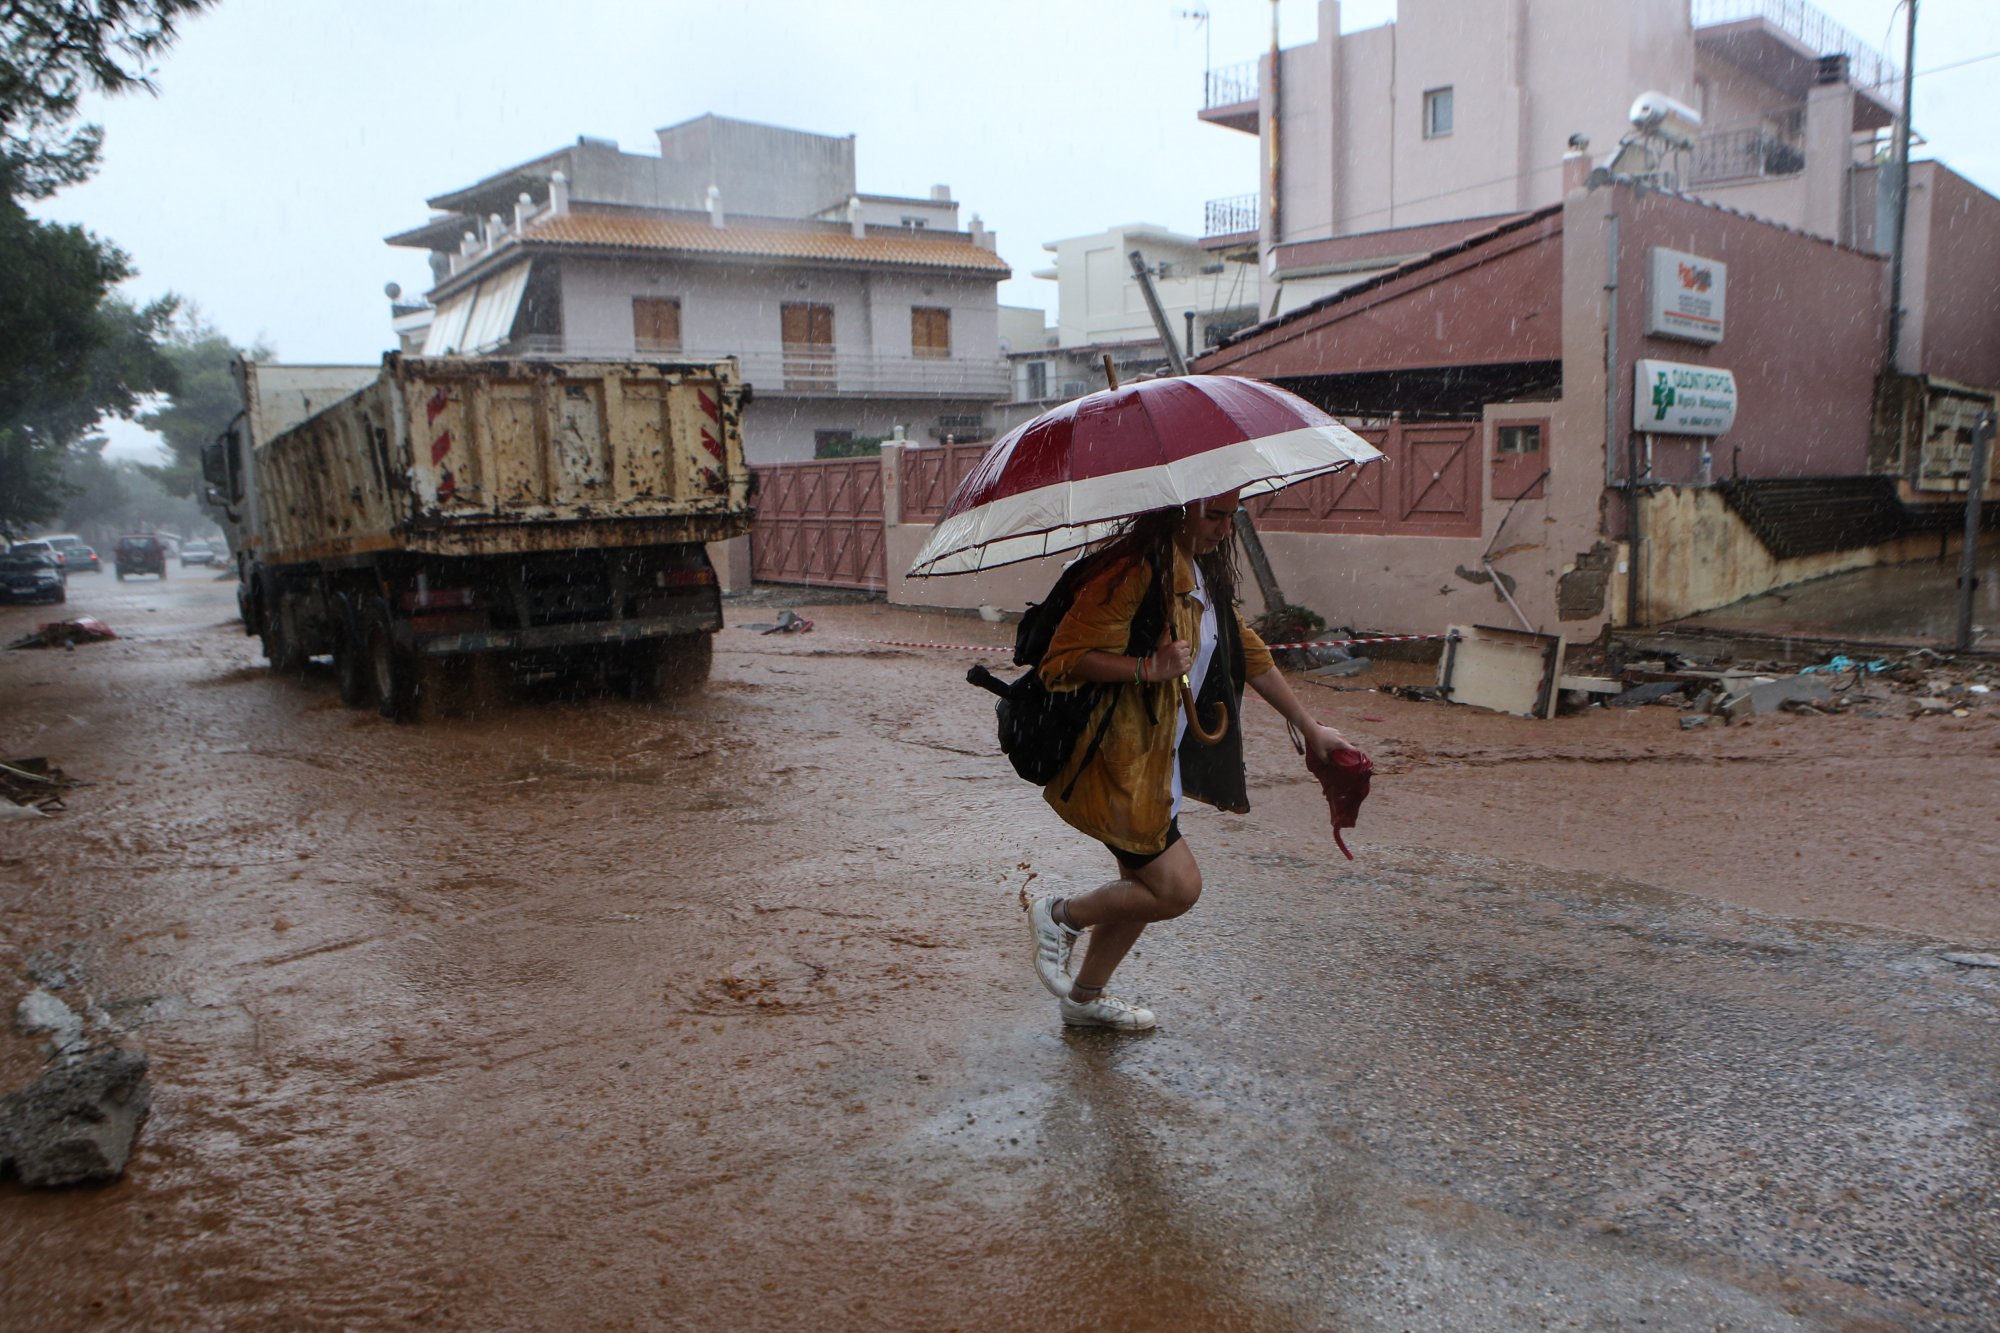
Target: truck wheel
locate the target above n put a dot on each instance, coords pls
(350, 658)
(670, 668)
(279, 649)
(392, 671)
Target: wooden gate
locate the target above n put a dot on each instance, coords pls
(1427, 484)
(820, 523)
(931, 473)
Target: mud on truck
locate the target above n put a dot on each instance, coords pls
(444, 518)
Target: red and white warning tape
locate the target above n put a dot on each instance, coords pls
(1344, 643)
(1317, 643)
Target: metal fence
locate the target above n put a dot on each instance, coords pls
(1737, 155)
(1869, 68)
(1229, 216)
(1230, 85)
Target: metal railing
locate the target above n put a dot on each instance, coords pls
(1229, 216)
(1739, 155)
(1230, 85)
(812, 370)
(1868, 68)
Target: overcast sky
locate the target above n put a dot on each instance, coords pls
(290, 136)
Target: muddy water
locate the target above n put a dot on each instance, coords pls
(580, 1012)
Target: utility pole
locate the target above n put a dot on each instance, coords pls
(1246, 531)
(1902, 215)
(1975, 503)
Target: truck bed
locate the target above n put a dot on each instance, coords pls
(455, 456)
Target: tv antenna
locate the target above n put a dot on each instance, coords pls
(1200, 16)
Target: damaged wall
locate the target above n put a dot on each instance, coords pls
(1698, 554)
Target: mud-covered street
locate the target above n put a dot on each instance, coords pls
(576, 1012)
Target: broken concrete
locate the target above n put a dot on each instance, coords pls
(1650, 693)
(75, 1125)
(40, 1012)
(1771, 695)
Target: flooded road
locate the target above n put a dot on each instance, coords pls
(577, 1012)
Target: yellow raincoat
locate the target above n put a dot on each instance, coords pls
(1123, 795)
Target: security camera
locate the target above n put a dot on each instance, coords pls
(1658, 114)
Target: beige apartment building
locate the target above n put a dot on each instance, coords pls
(1397, 139)
(854, 316)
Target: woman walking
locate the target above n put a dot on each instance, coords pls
(1172, 567)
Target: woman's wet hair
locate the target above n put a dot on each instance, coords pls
(1150, 536)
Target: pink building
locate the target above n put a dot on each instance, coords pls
(1625, 381)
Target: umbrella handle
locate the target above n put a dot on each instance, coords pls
(1194, 717)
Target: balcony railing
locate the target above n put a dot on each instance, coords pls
(811, 370)
(1229, 217)
(1744, 155)
(1230, 85)
(1868, 68)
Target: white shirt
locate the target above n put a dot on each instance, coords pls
(1204, 651)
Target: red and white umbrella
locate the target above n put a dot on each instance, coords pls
(1069, 476)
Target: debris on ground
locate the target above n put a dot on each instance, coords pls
(75, 1125)
(1910, 684)
(1914, 683)
(1972, 959)
(40, 1012)
(789, 622)
(65, 634)
(32, 787)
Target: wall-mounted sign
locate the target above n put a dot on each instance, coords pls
(1669, 398)
(1684, 296)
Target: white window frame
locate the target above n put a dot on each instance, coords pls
(1433, 99)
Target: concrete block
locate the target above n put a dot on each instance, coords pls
(1771, 695)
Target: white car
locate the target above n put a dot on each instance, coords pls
(197, 553)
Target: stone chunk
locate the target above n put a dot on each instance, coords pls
(75, 1124)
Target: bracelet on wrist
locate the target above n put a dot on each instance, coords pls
(1138, 671)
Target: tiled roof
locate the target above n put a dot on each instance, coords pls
(832, 243)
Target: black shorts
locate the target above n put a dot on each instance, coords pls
(1136, 860)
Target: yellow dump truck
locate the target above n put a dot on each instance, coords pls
(448, 511)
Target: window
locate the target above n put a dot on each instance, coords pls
(1437, 113)
(930, 331)
(807, 332)
(656, 324)
(915, 223)
(833, 443)
(1037, 385)
(1520, 459)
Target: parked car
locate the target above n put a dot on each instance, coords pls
(141, 553)
(40, 544)
(31, 576)
(196, 553)
(81, 559)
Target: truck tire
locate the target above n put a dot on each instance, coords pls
(279, 648)
(670, 668)
(392, 672)
(350, 657)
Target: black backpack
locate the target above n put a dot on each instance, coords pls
(1040, 727)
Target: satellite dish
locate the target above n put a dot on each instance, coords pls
(392, 290)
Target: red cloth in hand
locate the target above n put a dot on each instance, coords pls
(1344, 779)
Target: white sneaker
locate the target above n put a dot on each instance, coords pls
(1106, 1011)
(1052, 946)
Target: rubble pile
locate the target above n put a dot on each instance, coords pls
(1916, 685)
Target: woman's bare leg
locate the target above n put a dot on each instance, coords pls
(1116, 913)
